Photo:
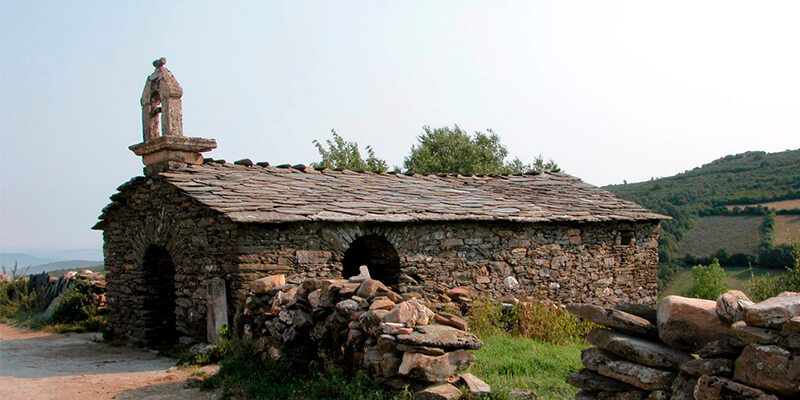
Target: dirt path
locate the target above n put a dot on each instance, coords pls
(39, 365)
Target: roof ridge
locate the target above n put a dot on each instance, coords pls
(246, 162)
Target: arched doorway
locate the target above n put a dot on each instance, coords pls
(377, 254)
(158, 301)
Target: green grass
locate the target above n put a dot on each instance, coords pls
(736, 234)
(736, 278)
(511, 362)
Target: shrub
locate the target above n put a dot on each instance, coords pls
(75, 306)
(764, 287)
(709, 282)
(528, 318)
(17, 298)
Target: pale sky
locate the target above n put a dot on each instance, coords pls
(610, 90)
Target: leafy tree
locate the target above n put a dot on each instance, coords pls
(452, 150)
(709, 282)
(344, 154)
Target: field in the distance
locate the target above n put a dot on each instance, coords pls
(735, 277)
(787, 229)
(736, 234)
(775, 205)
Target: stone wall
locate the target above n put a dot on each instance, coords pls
(149, 214)
(602, 263)
(745, 350)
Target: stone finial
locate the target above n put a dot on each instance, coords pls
(161, 97)
(163, 144)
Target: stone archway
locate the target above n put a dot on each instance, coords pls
(158, 298)
(378, 254)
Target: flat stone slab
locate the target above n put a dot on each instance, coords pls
(638, 350)
(593, 381)
(642, 377)
(709, 366)
(743, 334)
(614, 319)
(441, 336)
(715, 388)
(594, 358)
(475, 384)
(441, 391)
(645, 311)
(773, 312)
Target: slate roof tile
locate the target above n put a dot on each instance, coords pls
(267, 194)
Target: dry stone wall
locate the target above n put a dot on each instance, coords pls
(362, 324)
(744, 350)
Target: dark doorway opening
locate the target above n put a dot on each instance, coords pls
(158, 304)
(377, 254)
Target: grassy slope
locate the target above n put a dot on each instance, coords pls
(709, 234)
(510, 362)
(736, 278)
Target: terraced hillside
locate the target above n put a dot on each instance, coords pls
(747, 178)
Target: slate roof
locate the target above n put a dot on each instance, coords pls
(268, 194)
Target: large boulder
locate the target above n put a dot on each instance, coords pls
(769, 367)
(411, 313)
(614, 319)
(716, 388)
(730, 305)
(638, 350)
(435, 368)
(688, 324)
(773, 312)
(441, 336)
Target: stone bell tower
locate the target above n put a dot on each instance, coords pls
(163, 145)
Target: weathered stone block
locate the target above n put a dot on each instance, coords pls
(769, 367)
(715, 388)
(773, 312)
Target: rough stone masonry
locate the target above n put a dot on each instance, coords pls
(190, 220)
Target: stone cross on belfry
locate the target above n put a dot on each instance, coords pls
(161, 97)
(163, 146)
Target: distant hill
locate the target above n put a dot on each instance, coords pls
(742, 179)
(64, 265)
(51, 261)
